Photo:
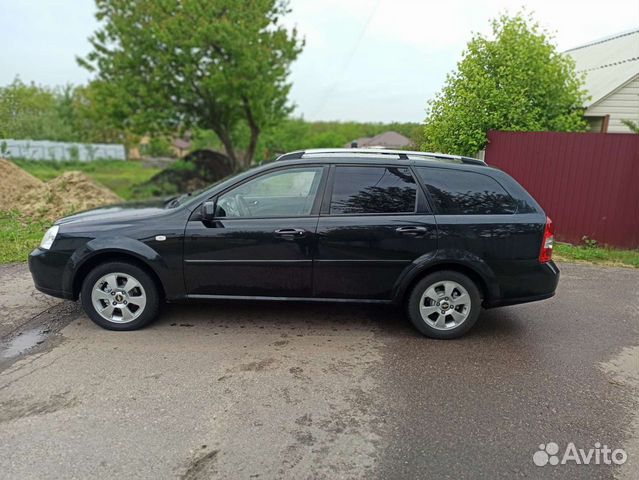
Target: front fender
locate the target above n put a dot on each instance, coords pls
(447, 258)
(110, 246)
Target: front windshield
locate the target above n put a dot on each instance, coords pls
(202, 194)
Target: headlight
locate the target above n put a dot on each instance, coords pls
(49, 237)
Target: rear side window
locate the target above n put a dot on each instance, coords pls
(373, 190)
(455, 192)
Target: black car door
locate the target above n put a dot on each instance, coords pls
(262, 239)
(375, 221)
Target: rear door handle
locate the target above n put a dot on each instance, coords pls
(411, 231)
(290, 233)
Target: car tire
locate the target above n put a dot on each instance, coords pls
(120, 296)
(444, 304)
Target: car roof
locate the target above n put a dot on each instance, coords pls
(367, 154)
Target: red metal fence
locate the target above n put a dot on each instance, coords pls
(588, 183)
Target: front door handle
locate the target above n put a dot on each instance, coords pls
(411, 231)
(290, 233)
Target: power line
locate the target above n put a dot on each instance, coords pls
(338, 78)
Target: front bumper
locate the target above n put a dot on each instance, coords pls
(49, 273)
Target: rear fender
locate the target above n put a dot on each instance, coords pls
(453, 259)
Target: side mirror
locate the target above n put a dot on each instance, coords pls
(207, 210)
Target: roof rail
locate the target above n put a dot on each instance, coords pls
(403, 154)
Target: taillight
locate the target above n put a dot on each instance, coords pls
(545, 255)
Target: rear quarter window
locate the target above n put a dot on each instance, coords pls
(457, 192)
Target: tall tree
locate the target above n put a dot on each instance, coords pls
(514, 81)
(215, 64)
(92, 116)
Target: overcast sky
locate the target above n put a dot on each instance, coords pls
(367, 60)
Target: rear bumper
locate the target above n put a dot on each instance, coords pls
(536, 283)
(49, 273)
(504, 302)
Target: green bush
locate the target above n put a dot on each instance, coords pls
(157, 147)
(514, 80)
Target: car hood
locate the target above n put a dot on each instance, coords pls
(121, 212)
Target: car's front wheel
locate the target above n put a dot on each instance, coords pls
(120, 296)
(444, 304)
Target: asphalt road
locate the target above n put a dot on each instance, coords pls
(291, 390)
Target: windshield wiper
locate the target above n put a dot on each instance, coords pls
(174, 202)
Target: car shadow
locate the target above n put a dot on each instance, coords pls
(385, 320)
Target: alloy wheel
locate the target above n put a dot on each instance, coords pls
(118, 297)
(445, 305)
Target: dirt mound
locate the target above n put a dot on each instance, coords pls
(70, 192)
(14, 182)
(197, 170)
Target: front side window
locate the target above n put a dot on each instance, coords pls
(455, 192)
(361, 190)
(285, 193)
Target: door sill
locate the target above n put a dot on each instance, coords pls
(285, 299)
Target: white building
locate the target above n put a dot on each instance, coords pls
(611, 67)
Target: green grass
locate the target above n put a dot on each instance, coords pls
(597, 255)
(18, 237)
(119, 176)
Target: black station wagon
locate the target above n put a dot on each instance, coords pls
(441, 235)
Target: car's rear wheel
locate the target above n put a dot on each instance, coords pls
(120, 296)
(444, 304)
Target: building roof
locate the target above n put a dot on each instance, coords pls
(388, 139)
(608, 63)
